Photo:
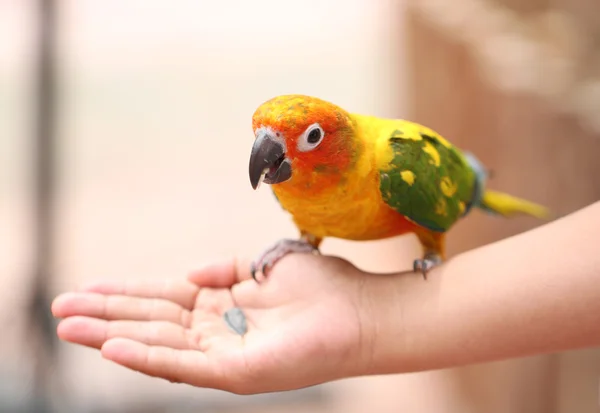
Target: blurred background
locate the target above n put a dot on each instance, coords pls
(124, 140)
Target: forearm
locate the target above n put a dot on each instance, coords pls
(537, 292)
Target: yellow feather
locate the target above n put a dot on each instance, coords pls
(408, 177)
(508, 205)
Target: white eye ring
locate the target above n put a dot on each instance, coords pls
(307, 141)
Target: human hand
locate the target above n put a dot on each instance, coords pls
(318, 319)
(307, 324)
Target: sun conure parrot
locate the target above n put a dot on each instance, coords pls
(358, 177)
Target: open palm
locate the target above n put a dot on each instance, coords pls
(304, 326)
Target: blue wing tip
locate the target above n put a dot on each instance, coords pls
(481, 176)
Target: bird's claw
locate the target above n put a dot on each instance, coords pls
(280, 249)
(253, 268)
(426, 264)
(253, 271)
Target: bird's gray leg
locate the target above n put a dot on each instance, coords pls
(427, 263)
(280, 249)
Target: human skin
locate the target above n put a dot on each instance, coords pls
(317, 319)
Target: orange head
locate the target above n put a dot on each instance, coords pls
(301, 141)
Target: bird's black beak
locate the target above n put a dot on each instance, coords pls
(268, 162)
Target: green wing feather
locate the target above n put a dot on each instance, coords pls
(428, 180)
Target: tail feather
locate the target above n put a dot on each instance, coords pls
(498, 202)
(508, 205)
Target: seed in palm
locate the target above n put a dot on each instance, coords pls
(236, 320)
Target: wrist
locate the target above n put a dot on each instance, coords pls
(396, 312)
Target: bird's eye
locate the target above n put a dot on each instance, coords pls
(311, 138)
(314, 136)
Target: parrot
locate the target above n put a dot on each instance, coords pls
(360, 177)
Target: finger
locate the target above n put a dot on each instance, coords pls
(92, 332)
(179, 291)
(118, 307)
(214, 300)
(223, 274)
(179, 366)
(250, 294)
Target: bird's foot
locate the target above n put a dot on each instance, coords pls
(280, 249)
(427, 263)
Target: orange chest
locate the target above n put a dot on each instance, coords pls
(348, 212)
